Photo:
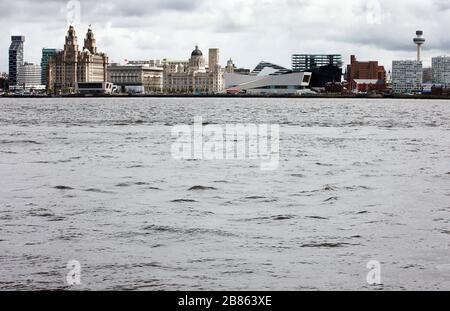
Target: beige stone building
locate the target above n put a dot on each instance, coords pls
(72, 65)
(136, 78)
(195, 76)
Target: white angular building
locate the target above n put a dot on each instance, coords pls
(195, 76)
(283, 84)
(441, 70)
(407, 77)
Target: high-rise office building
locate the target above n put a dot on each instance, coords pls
(407, 76)
(441, 70)
(307, 62)
(29, 76)
(46, 55)
(15, 58)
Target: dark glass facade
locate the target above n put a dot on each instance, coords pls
(325, 74)
(307, 62)
(15, 58)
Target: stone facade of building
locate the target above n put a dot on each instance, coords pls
(72, 65)
(194, 76)
(149, 79)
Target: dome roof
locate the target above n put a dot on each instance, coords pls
(197, 52)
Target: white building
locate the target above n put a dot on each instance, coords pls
(136, 78)
(284, 84)
(29, 77)
(195, 76)
(441, 70)
(407, 77)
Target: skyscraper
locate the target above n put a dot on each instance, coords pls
(46, 55)
(15, 58)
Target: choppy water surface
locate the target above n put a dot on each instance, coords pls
(94, 180)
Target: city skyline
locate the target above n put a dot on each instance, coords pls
(167, 29)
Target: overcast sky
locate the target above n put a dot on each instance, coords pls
(246, 30)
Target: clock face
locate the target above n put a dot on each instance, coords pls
(69, 42)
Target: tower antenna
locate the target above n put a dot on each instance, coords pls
(419, 40)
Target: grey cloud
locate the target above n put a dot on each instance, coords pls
(275, 28)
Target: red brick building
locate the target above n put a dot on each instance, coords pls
(365, 71)
(369, 86)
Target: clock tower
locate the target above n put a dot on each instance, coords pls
(70, 58)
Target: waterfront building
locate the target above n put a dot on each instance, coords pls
(325, 68)
(321, 76)
(29, 76)
(286, 84)
(94, 88)
(370, 70)
(441, 71)
(365, 70)
(72, 65)
(15, 58)
(307, 62)
(194, 76)
(141, 78)
(46, 55)
(407, 77)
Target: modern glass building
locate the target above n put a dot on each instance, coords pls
(46, 55)
(15, 58)
(305, 62)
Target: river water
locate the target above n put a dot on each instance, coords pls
(94, 180)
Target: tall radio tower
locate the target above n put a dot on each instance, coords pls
(419, 41)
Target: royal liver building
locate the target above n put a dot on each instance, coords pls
(194, 76)
(72, 66)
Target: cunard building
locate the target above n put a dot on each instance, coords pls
(195, 76)
(72, 66)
